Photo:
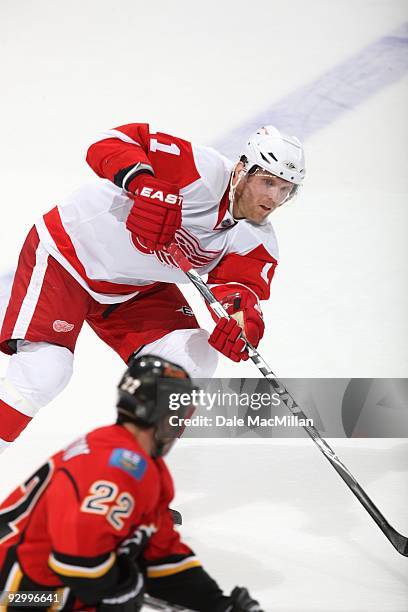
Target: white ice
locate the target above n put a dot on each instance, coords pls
(273, 516)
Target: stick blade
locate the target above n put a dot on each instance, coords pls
(399, 542)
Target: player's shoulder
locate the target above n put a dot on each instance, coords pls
(165, 475)
(109, 454)
(214, 169)
(248, 236)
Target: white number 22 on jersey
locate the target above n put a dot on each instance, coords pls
(102, 495)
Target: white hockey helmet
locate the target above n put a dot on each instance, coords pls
(276, 153)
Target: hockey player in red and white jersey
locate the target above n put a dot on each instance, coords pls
(100, 256)
(92, 526)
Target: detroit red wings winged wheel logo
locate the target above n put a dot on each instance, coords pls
(62, 326)
(188, 244)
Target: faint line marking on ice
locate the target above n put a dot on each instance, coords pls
(340, 89)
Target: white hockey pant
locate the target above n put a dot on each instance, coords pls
(39, 371)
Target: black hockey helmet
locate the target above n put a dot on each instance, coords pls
(148, 395)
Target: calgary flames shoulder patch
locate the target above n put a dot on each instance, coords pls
(128, 461)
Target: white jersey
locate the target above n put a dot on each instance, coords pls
(87, 232)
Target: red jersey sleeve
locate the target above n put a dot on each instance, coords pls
(173, 572)
(77, 557)
(86, 528)
(254, 269)
(166, 542)
(124, 152)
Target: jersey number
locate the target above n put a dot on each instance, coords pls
(31, 489)
(122, 509)
(172, 148)
(102, 494)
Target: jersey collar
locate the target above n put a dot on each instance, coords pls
(225, 220)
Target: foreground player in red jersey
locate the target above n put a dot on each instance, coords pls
(93, 523)
(100, 256)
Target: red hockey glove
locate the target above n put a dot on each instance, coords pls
(156, 213)
(242, 304)
(225, 338)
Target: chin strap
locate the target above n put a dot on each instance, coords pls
(232, 189)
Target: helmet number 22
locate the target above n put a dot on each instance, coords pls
(104, 499)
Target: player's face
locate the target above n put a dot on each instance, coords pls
(258, 195)
(167, 433)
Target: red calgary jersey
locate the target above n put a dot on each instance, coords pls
(87, 232)
(69, 518)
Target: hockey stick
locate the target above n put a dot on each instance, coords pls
(399, 541)
(164, 606)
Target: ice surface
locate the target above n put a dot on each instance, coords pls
(276, 516)
(273, 516)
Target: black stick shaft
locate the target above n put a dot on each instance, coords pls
(399, 541)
